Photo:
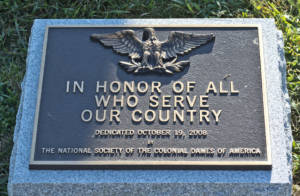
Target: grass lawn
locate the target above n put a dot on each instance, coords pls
(16, 18)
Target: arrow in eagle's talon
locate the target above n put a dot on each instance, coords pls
(168, 71)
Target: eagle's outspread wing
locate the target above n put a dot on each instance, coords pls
(181, 43)
(123, 42)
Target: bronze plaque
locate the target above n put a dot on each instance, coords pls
(155, 97)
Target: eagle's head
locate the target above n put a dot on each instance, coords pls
(149, 34)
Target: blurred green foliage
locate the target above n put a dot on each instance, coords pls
(287, 18)
(16, 18)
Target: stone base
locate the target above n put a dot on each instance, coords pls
(277, 181)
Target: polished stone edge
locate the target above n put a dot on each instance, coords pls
(141, 189)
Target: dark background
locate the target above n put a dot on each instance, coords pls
(71, 55)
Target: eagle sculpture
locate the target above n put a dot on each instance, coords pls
(150, 54)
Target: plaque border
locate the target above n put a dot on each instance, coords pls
(123, 164)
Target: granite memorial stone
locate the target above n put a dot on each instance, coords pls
(185, 106)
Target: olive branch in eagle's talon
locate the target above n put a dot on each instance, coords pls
(150, 54)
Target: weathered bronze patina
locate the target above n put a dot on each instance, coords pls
(150, 54)
(93, 114)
